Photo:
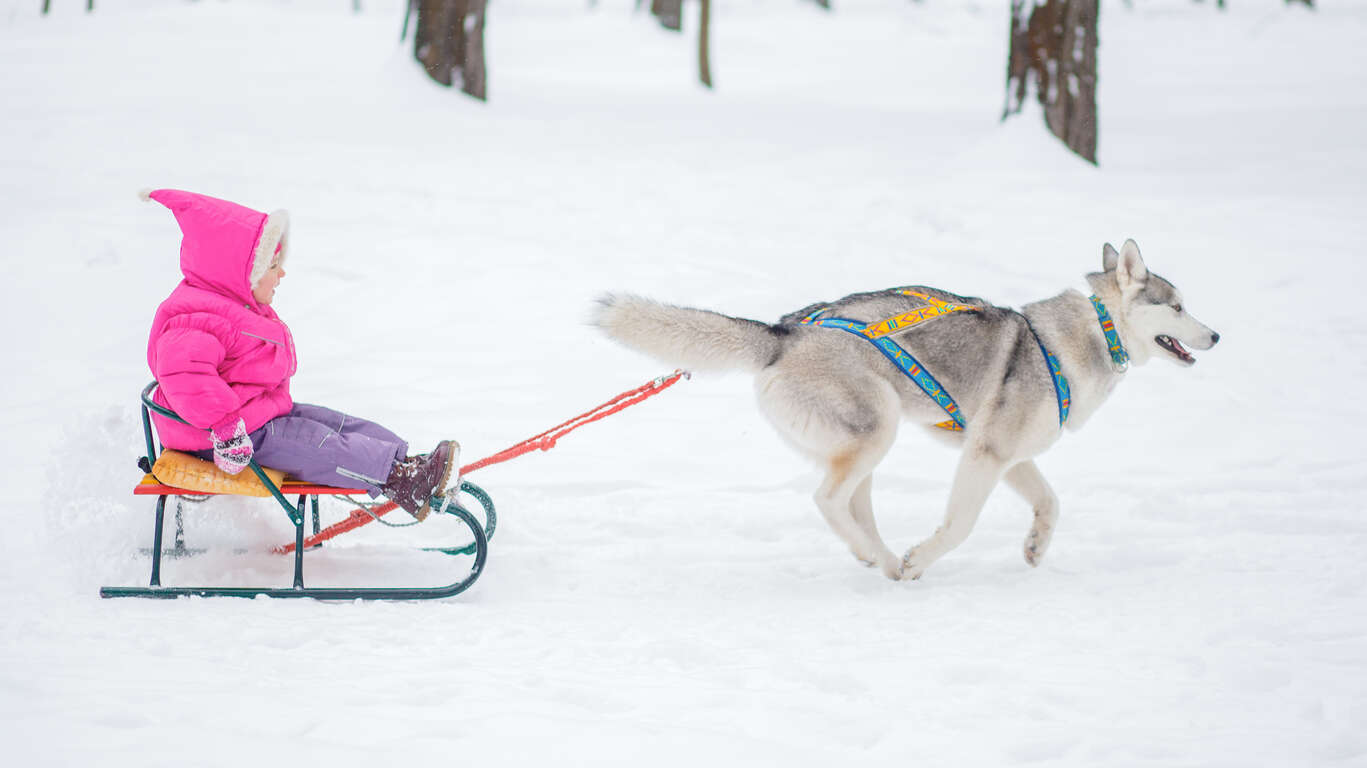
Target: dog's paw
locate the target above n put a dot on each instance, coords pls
(887, 562)
(914, 564)
(1036, 544)
(892, 568)
(864, 558)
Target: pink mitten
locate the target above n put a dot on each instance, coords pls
(233, 453)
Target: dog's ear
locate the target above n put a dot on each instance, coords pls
(1130, 270)
(1109, 257)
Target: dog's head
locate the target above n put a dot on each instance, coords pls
(1148, 308)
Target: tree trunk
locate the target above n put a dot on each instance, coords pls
(432, 41)
(1055, 47)
(669, 12)
(704, 47)
(449, 41)
(474, 76)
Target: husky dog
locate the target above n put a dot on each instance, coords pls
(839, 400)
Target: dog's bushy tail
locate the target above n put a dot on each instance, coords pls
(697, 339)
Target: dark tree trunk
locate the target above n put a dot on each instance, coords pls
(669, 12)
(449, 41)
(433, 42)
(474, 76)
(1054, 46)
(704, 47)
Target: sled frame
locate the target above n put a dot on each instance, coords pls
(307, 493)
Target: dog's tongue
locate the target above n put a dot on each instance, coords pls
(1179, 349)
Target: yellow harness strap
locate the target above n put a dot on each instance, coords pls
(875, 332)
(934, 308)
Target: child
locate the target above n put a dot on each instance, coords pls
(223, 360)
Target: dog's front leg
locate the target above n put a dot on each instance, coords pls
(978, 472)
(1025, 479)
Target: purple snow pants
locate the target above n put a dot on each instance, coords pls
(320, 445)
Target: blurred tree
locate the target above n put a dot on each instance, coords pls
(89, 6)
(449, 41)
(704, 46)
(1053, 44)
(670, 15)
(669, 12)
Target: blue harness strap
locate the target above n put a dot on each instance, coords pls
(1061, 391)
(903, 360)
(909, 365)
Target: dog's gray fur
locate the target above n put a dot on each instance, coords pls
(836, 399)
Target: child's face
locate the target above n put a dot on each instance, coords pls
(265, 287)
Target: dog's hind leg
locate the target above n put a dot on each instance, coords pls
(847, 426)
(845, 500)
(1025, 479)
(861, 507)
(977, 474)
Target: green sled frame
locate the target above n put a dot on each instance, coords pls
(478, 549)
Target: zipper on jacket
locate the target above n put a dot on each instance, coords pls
(263, 338)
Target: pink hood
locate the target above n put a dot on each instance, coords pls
(217, 353)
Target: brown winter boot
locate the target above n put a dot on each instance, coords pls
(413, 481)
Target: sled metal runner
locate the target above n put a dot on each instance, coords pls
(478, 549)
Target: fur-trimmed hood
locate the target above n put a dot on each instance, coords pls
(225, 247)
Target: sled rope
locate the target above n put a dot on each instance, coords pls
(547, 440)
(543, 442)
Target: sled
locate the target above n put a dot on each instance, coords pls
(306, 498)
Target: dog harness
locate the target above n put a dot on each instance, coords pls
(1120, 359)
(877, 333)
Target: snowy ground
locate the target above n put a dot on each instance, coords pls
(661, 590)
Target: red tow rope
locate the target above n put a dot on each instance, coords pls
(544, 442)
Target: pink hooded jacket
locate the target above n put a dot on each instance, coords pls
(217, 353)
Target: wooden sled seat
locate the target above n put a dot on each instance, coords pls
(177, 473)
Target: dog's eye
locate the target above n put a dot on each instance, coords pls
(1177, 308)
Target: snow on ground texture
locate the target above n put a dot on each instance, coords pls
(661, 590)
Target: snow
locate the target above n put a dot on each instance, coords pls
(661, 590)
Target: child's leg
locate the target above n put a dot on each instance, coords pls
(345, 423)
(308, 445)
